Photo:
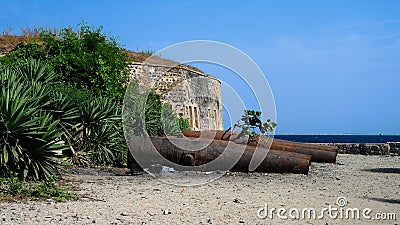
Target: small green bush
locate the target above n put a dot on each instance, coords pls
(250, 121)
(184, 124)
(13, 186)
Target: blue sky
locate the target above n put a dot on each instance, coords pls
(333, 66)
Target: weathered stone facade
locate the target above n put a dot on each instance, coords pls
(192, 94)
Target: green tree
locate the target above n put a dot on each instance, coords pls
(85, 58)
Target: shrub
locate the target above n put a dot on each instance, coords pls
(101, 134)
(85, 58)
(28, 130)
(145, 115)
(184, 124)
(251, 121)
(44, 189)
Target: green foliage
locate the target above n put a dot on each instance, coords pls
(39, 121)
(45, 189)
(28, 129)
(145, 115)
(14, 186)
(72, 104)
(153, 108)
(24, 50)
(132, 113)
(169, 121)
(88, 83)
(85, 58)
(184, 124)
(93, 128)
(250, 121)
(101, 135)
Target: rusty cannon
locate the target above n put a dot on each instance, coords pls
(212, 154)
(318, 153)
(223, 150)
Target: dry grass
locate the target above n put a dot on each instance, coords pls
(9, 41)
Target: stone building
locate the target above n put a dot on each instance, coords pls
(192, 93)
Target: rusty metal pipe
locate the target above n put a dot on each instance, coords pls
(275, 161)
(305, 145)
(227, 135)
(318, 153)
(271, 150)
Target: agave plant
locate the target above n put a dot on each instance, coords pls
(145, 115)
(152, 113)
(141, 113)
(170, 120)
(64, 110)
(100, 136)
(28, 133)
(105, 145)
(36, 71)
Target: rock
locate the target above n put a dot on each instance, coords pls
(241, 221)
(156, 169)
(166, 212)
(127, 214)
(236, 200)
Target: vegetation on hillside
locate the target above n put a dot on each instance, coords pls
(61, 100)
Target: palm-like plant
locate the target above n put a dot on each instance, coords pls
(145, 115)
(28, 133)
(105, 144)
(170, 121)
(141, 113)
(100, 135)
(64, 110)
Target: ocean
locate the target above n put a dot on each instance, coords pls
(341, 138)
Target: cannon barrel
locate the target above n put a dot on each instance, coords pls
(180, 151)
(318, 153)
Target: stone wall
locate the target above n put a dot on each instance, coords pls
(192, 94)
(390, 148)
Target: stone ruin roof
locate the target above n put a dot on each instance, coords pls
(153, 60)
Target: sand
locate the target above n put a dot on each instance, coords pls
(235, 198)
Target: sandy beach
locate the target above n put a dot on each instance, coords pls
(358, 181)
